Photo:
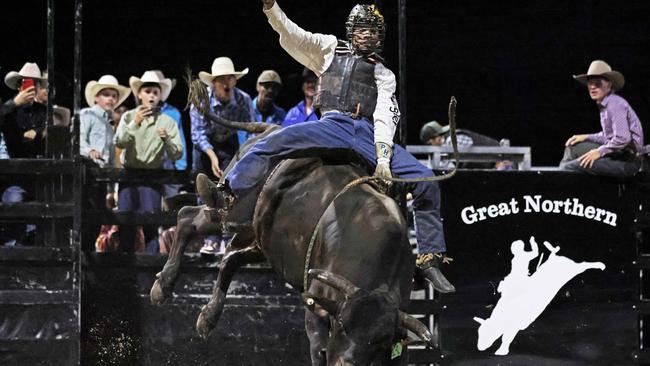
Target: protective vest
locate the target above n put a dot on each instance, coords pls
(348, 85)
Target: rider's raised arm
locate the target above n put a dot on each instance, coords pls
(313, 50)
(386, 115)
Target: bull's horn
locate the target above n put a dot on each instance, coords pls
(252, 127)
(479, 320)
(336, 281)
(416, 327)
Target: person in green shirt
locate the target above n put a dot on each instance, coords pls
(145, 135)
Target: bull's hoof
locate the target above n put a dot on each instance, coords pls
(157, 295)
(203, 325)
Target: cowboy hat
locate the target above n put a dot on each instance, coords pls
(61, 116)
(29, 70)
(269, 76)
(432, 129)
(151, 77)
(221, 66)
(105, 82)
(601, 68)
(162, 76)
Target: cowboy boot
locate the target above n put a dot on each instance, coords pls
(235, 215)
(429, 266)
(212, 194)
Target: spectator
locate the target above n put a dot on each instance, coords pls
(22, 124)
(614, 150)
(304, 111)
(215, 145)
(268, 87)
(434, 134)
(175, 114)
(96, 123)
(116, 117)
(145, 135)
(23, 118)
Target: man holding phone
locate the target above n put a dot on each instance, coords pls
(22, 119)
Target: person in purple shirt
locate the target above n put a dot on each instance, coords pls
(304, 111)
(614, 150)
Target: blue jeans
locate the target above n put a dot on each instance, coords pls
(608, 165)
(335, 130)
(141, 199)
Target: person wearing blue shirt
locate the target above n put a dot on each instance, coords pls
(268, 87)
(175, 114)
(215, 145)
(304, 111)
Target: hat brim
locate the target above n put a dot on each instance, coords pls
(13, 79)
(165, 86)
(92, 88)
(207, 78)
(62, 116)
(617, 79)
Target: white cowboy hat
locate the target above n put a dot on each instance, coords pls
(601, 68)
(29, 70)
(162, 76)
(151, 77)
(105, 82)
(221, 66)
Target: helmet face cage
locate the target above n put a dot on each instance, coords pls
(366, 16)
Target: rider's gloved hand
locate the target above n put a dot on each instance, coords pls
(384, 154)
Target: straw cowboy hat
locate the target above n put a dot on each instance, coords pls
(601, 68)
(105, 82)
(151, 77)
(221, 66)
(29, 70)
(162, 76)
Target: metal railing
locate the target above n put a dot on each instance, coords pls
(520, 155)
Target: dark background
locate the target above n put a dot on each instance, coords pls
(508, 63)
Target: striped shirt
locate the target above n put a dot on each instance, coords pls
(621, 126)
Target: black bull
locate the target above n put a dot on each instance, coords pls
(361, 262)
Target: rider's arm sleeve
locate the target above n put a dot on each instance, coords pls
(386, 116)
(313, 50)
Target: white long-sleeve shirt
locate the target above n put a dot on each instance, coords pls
(316, 52)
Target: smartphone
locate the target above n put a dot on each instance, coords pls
(155, 110)
(27, 82)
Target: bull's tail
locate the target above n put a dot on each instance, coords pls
(199, 97)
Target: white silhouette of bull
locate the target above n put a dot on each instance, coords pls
(516, 311)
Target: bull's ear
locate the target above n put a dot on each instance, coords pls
(479, 320)
(319, 305)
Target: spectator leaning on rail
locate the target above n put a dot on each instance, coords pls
(268, 87)
(145, 135)
(215, 145)
(432, 133)
(614, 150)
(304, 111)
(96, 123)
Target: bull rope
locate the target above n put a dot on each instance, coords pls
(380, 182)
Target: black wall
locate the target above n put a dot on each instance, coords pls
(508, 63)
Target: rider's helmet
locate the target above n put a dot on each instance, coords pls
(366, 17)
